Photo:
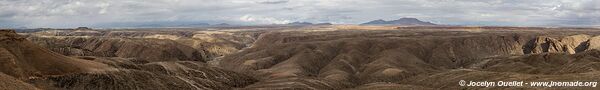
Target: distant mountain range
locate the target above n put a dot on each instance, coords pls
(401, 21)
(222, 24)
(300, 23)
(174, 25)
(307, 23)
(162, 24)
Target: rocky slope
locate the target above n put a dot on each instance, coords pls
(143, 49)
(9, 82)
(21, 58)
(321, 58)
(27, 66)
(220, 43)
(537, 67)
(393, 59)
(181, 75)
(149, 45)
(570, 44)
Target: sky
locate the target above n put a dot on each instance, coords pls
(107, 13)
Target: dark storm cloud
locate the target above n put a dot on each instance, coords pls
(72, 13)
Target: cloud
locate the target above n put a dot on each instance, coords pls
(274, 2)
(73, 13)
(263, 20)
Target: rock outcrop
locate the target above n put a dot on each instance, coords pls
(576, 43)
(569, 44)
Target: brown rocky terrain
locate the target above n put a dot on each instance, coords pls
(143, 49)
(293, 57)
(150, 45)
(26, 65)
(23, 59)
(9, 82)
(414, 58)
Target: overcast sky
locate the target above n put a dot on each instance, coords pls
(73, 13)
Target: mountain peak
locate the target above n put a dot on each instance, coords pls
(408, 19)
(300, 23)
(223, 24)
(401, 21)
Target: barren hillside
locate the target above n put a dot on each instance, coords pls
(292, 57)
(26, 65)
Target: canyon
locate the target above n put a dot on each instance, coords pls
(313, 57)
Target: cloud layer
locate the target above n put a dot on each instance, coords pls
(73, 13)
